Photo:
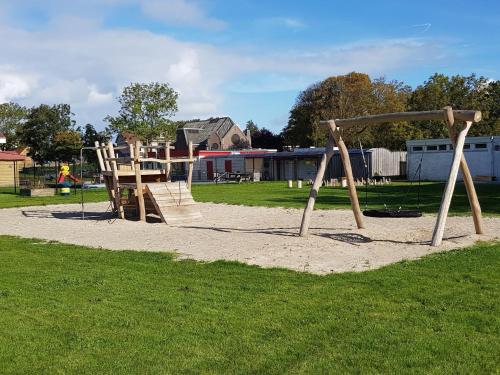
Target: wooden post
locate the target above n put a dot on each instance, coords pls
(116, 182)
(99, 156)
(437, 236)
(190, 168)
(131, 152)
(346, 162)
(468, 182)
(138, 181)
(306, 216)
(168, 166)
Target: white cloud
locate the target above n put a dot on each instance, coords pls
(181, 12)
(14, 85)
(288, 22)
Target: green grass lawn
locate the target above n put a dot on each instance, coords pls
(276, 194)
(10, 199)
(70, 309)
(397, 194)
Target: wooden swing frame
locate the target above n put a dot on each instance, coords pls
(457, 137)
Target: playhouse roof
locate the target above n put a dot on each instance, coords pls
(11, 156)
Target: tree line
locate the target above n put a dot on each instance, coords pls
(52, 135)
(356, 94)
(146, 110)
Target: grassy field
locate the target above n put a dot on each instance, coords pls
(69, 309)
(273, 194)
(10, 199)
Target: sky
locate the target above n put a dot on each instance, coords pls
(247, 59)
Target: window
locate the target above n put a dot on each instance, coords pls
(443, 147)
(432, 148)
(481, 145)
(215, 146)
(417, 148)
(467, 146)
(235, 138)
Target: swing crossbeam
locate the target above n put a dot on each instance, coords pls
(457, 137)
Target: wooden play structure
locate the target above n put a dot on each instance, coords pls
(457, 136)
(137, 192)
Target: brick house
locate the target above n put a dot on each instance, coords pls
(213, 134)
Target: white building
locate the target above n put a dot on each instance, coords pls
(482, 155)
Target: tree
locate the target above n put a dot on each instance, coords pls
(12, 116)
(460, 92)
(66, 145)
(251, 127)
(41, 127)
(145, 111)
(354, 94)
(493, 120)
(264, 138)
(89, 136)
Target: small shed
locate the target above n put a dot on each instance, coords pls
(9, 171)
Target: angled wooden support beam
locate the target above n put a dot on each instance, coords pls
(437, 236)
(168, 167)
(346, 162)
(116, 182)
(138, 181)
(306, 216)
(469, 184)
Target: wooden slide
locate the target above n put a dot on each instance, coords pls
(173, 201)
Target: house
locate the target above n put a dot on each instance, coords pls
(9, 168)
(213, 134)
(435, 156)
(3, 139)
(300, 163)
(303, 163)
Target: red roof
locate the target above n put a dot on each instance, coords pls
(11, 156)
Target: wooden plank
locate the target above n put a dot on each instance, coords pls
(346, 161)
(138, 181)
(463, 115)
(437, 235)
(116, 182)
(163, 161)
(306, 216)
(168, 166)
(468, 182)
(99, 156)
(105, 155)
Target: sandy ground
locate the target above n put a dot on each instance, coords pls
(255, 235)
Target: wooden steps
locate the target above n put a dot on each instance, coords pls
(173, 201)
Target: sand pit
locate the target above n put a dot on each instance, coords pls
(255, 235)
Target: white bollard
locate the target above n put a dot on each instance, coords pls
(344, 182)
(299, 184)
(290, 184)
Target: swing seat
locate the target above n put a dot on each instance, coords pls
(392, 213)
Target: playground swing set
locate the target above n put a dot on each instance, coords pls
(457, 136)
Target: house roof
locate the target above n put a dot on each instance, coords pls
(11, 156)
(128, 137)
(198, 131)
(2, 135)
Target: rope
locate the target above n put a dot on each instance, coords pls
(178, 203)
(366, 174)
